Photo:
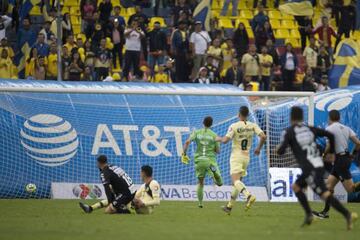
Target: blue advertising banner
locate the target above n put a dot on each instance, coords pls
(56, 137)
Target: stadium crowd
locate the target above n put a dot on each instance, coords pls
(140, 47)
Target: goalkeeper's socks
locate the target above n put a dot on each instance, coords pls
(234, 195)
(304, 202)
(200, 193)
(100, 204)
(240, 186)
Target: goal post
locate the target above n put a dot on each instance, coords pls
(53, 131)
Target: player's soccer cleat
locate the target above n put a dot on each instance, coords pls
(226, 209)
(200, 205)
(85, 207)
(321, 215)
(249, 202)
(350, 220)
(308, 221)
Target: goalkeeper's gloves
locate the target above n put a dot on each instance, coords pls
(185, 159)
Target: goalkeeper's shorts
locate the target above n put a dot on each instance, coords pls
(121, 201)
(239, 164)
(210, 167)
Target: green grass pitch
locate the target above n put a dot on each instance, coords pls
(63, 219)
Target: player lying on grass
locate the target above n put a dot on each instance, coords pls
(302, 140)
(205, 156)
(341, 167)
(241, 133)
(119, 189)
(148, 195)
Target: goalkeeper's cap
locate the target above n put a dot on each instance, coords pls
(102, 159)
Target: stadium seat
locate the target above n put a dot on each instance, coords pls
(130, 11)
(35, 11)
(215, 14)
(244, 21)
(116, 2)
(356, 35)
(242, 5)
(65, 10)
(275, 23)
(288, 24)
(287, 17)
(294, 42)
(74, 11)
(75, 20)
(225, 23)
(76, 29)
(217, 4)
(294, 33)
(246, 14)
(274, 14)
(157, 19)
(69, 3)
(282, 33)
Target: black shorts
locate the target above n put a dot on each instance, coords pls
(313, 178)
(341, 167)
(121, 201)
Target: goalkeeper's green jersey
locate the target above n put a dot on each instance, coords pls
(205, 144)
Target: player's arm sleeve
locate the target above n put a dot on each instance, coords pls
(105, 178)
(323, 133)
(284, 142)
(138, 193)
(192, 136)
(155, 189)
(230, 133)
(257, 129)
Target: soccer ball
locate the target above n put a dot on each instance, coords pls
(30, 188)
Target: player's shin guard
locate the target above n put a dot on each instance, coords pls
(100, 204)
(240, 186)
(200, 193)
(234, 195)
(304, 202)
(338, 206)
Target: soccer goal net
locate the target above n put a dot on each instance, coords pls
(52, 132)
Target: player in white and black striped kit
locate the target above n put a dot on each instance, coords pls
(302, 140)
(341, 166)
(119, 188)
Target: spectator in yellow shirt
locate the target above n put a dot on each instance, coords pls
(160, 76)
(5, 45)
(250, 64)
(266, 62)
(30, 63)
(70, 43)
(215, 52)
(228, 53)
(52, 68)
(6, 65)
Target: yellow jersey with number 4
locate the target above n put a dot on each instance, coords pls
(241, 134)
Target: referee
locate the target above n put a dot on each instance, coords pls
(341, 167)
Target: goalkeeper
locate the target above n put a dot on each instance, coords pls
(205, 156)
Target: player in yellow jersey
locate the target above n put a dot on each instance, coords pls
(148, 195)
(241, 134)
